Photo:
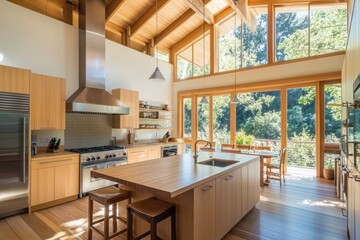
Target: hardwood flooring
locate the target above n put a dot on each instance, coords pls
(304, 208)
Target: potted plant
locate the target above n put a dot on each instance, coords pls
(328, 170)
(243, 139)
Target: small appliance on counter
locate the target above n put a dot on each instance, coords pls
(131, 137)
(53, 145)
(33, 145)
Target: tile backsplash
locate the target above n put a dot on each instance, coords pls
(87, 130)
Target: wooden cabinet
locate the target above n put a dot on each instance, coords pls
(143, 153)
(224, 204)
(131, 99)
(54, 178)
(14, 80)
(204, 211)
(154, 152)
(47, 102)
(137, 155)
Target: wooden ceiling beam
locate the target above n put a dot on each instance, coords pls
(112, 8)
(146, 16)
(247, 16)
(224, 14)
(173, 26)
(190, 38)
(279, 2)
(114, 27)
(198, 6)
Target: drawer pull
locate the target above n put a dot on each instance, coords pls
(357, 178)
(206, 188)
(228, 177)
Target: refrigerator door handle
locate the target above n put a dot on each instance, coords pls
(24, 151)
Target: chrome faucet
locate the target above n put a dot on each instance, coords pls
(195, 154)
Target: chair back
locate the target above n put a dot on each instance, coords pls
(267, 148)
(226, 145)
(282, 157)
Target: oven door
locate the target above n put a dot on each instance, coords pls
(88, 183)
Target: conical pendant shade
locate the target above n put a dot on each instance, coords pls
(157, 76)
(235, 100)
(204, 100)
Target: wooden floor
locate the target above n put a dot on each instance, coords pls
(305, 208)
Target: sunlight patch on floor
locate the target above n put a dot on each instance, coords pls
(323, 203)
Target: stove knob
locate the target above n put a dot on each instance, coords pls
(106, 156)
(93, 159)
(110, 156)
(124, 154)
(98, 158)
(114, 155)
(88, 159)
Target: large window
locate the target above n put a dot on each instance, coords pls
(187, 117)
(194, 60)
(203, 120)
(221, 119)
(301, 149)
(258, 119)
(251, 47)
(308, 30)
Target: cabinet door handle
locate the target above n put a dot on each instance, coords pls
(228, 177)
(356, 178)
(207, 188)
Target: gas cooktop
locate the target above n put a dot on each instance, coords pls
(95, 149)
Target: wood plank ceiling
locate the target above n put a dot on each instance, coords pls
(133, 23)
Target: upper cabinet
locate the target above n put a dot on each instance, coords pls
(47, 102)
(14, 80)
(131, 99)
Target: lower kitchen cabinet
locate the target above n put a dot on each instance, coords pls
(154, 152)
(204, 211)
(143, 153)
(54, 178)
(221, 203)
(137, 155)
(353, 207)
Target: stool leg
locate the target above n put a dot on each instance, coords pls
(173, 225)
(114, 210)
(130, 224)
(106, 222)
(90, 218)
(153, 229)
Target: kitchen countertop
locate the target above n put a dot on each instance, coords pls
(50, 155)
(172, 176)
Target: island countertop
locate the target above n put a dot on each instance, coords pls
(172, 176)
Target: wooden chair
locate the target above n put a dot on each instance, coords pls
(153, 211)
(107, 196)
(279, 167)
(267, 161)
(226, 145)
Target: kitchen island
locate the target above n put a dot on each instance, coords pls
(209, 200)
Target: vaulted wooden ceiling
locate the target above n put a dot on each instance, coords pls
(133, 23)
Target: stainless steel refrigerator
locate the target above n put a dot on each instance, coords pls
(14, 139)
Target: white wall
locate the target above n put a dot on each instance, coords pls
(44, 45)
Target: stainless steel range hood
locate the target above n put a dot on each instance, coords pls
(91, 97)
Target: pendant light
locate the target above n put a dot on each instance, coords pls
(157, 75)
(204, 99)
(235, 100)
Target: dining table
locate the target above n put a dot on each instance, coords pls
(263, 154)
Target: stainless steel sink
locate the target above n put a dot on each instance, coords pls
(218, 162)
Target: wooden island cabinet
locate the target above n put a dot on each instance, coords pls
(209, 200)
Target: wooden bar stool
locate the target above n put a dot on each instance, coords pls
(107, 196)
(153, 211)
